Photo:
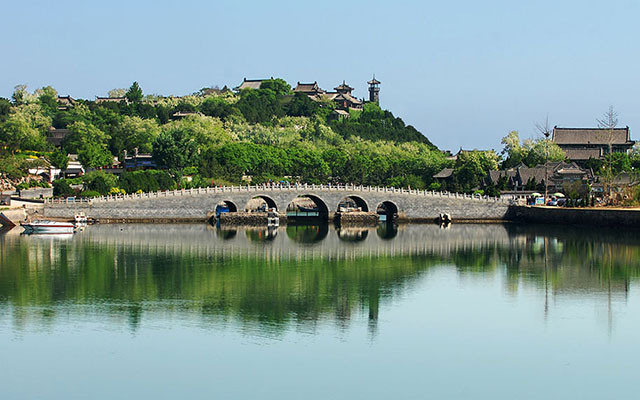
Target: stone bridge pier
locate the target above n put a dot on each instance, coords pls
(196, 204)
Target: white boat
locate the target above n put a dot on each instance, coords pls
(46, 226)
(272, 218)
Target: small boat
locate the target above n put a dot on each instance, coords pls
(273, 220)
(80, 218)
(47, 226)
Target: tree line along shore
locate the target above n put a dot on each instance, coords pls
(218, 136)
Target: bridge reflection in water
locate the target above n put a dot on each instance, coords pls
(272, 278)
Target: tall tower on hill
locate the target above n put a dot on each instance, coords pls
(374, 90)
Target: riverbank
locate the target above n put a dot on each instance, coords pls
(627, 217)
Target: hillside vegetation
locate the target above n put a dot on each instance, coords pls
(221, 136)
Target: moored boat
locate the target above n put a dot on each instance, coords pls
(80, 218)
(46, 226)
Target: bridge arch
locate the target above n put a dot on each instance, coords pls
(226, 206)
(351, 201)
(388, 208)
(270, 202)
(298, 208)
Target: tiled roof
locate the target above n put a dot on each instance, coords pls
(495, 175)
(537, 173)
(374, 81)
(347, 97)
(593, 136)
(583, 154)
(344, 87)
(308, 88)
(445, 173)
(67, 100)
(110, 99)
(250, 84)
(324, 96)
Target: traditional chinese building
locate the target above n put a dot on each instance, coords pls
(374, 90)
(581, 144)
(342, 95)
(100, 100)
(310, 89)
(250, 84)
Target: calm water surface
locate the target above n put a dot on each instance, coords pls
(189, 311)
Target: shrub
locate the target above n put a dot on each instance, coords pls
(89, 193)
(146, 181)
(62, 188)
(100, 182)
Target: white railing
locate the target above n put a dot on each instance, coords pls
(302, 187)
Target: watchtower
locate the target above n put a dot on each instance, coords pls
(374, 90)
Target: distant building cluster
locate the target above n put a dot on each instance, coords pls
(342, 94)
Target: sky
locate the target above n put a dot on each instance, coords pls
(464, 73)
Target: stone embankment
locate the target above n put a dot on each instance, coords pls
(244, 218)
(593, 217)
(357, 218)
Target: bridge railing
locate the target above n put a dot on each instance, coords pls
(300, 187)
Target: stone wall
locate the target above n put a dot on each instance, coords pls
(36, 193)
(578, 216)
(197, 205)
(245, 219)
(358, 218)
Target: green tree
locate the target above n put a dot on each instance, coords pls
(218, 107)
(146, 181)
(135, 132)
(513, 151)
(100, 181)
(472, 166)
(59, 159)
(62, 188)
(5, 107)
(134, 94)
(541, 151)
(90, 143)
(279, 86)
(608, 123)
(259, 106)
(48, 99)
(175, 149)
(20, 95)
(302, 106)
(25, 128)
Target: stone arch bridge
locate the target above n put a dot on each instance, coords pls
(197, 204)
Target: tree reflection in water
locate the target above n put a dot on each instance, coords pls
(298, 278)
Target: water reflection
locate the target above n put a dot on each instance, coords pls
(302, 277)
(352, 234)
(307, 233)
(387, 230)
(261, 234)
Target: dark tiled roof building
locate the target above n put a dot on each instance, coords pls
(580, 144)
(100, 100)
(310, 89)
(250, 84)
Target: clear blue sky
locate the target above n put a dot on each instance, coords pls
(463, 72)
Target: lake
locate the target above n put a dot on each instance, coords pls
(316, 312)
